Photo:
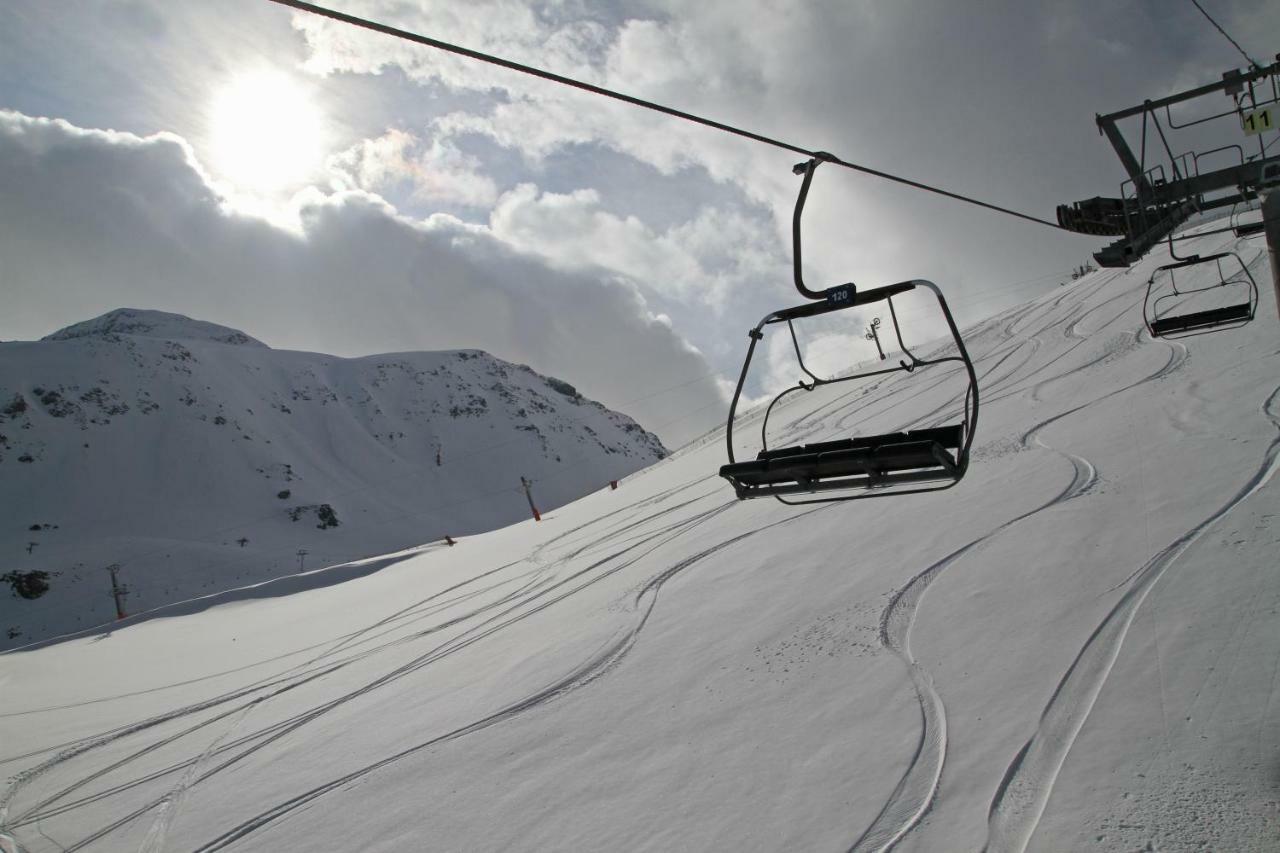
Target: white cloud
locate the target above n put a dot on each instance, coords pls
(713, 59)
(516, 30)
(95, 220)
(714, 48)
(992, 100)
(437, 170)
(702, 260)
(375, 164)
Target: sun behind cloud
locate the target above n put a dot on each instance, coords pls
(267, 132)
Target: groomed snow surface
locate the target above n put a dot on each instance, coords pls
(1075, 648)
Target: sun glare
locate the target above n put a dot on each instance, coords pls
(266, 132)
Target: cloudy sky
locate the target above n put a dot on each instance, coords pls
(329, 189)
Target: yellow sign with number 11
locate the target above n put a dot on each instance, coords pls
(1258, 121)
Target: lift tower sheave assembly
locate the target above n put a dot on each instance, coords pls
(1157, 198)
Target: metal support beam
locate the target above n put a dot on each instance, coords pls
(1157, 205)
(1242, 175)
(1179, 200)
(1222, 85)
(1131, 166)
(1271, 216)
(1107, 123)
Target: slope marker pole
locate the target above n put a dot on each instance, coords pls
(117, 591)
(527, 485)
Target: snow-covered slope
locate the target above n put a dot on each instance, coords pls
(1076, 648)
(198, 459)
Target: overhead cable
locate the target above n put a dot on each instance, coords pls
(1252, 62)
(385, 29)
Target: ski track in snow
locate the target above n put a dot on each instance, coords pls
(586, 673)
(282, 683)
(288, 680)
(1024, 792)
(171, 803)
(589, 671)
(913, 795)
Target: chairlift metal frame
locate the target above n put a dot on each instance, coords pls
(1172, 325)
(1238, 226)
(921, 460)
(1151, 205)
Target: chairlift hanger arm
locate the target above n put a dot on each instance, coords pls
(832, 298)
(807, 169)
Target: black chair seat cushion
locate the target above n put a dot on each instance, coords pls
(872, 456)
(1201, 319)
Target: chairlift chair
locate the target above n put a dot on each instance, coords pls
(1238, 226)
(1168, 323)
(903, 462)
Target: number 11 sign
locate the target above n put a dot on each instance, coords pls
(1258, 121)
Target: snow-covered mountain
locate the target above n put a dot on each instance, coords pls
(198, 458)
(1076, 648)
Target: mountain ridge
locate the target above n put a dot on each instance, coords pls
(159, 442)
(151, 323)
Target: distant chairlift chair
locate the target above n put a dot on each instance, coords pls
(1238, 211)
(917, 460)
(1159, 309)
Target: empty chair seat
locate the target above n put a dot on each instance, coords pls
(864, 462)
(947, 436)
(1202, 319)
(1235, 279)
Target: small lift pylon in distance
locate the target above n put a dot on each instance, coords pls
(903, 462)
(1171, 322)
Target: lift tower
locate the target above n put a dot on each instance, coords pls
(1164, 191)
